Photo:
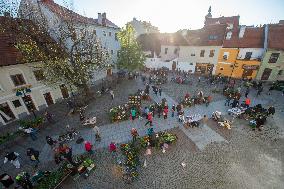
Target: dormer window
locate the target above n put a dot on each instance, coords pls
(229, 35)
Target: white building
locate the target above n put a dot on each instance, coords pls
(21, 89)
(143, 27)
(56, 15)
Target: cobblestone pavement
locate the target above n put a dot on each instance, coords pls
(249, 159)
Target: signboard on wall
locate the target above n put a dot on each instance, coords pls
(250, 67)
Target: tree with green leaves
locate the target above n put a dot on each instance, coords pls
(131, 56)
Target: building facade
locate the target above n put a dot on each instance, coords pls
(57, 16)
(242, 52)
(21, 89)
(272, 66)
(143, 27)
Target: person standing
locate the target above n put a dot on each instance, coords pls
(247, 92)
(49, 117)
(31, 132)
(173, 110)
(146, 112)
(271, 110)
(247, 102)
(150, 119)
(199, 79)
(165, 112)
(34, 156)
(160, 91)
(23, 179)
(134, 134)
(13, 158)
(50, 141)
(111, 94)
(133, 113)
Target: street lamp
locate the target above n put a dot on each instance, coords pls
(23, 93)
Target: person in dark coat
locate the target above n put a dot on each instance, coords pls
(271, 110)
(235, 103)
(6, 180)
(159, 110)
(160, 91)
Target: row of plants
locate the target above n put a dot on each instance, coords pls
(24, 124)
(122, 112)
(132, 150)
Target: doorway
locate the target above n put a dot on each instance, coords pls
(48, 99)
(64, 91)
(6, 112)
(109, 72)
(174, 66)
(29, 103)
(266, 73)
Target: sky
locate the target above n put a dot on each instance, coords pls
(172, 15)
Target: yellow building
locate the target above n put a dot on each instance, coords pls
(239, 63)
(242, 52)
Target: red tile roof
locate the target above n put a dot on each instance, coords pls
(253, 38)
(276, 36)
(67, 14)
(16, 33)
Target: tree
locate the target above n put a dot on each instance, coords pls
(150, 42)
(131, 56)
(81, 53)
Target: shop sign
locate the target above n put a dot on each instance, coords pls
(250, 67)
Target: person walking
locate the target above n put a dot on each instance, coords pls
(88, 147)
(235, 103)
(159, 110)
(260, 89)
(271, 110)
(34, 156)
(111, 94)
(228, 99)
(97, 133)
(133, 113)
(204, 121)
(134, 134)
(13, 157)
(150, 119)
(208, 100)
(146, 112)
(160, 91)
(173, 110)
(49, 117)
(165, 112)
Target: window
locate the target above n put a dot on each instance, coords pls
(104, 33)
(192, 54)
(109, 34)
(212, 52)
(111, 51)
(221, 69)
(17, 103)
(191, 64)
(95, 32)
(248, 55)
(117, 53)
(213, 37)
(202, 52)
(229, 35)
(116, 37)
(280, 72)
(166, 50)
(39, 75)
(225, 55)
(18, 79)
(273, 57)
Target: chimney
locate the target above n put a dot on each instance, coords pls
(100, 18)
(104, 19)
(242, 31)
